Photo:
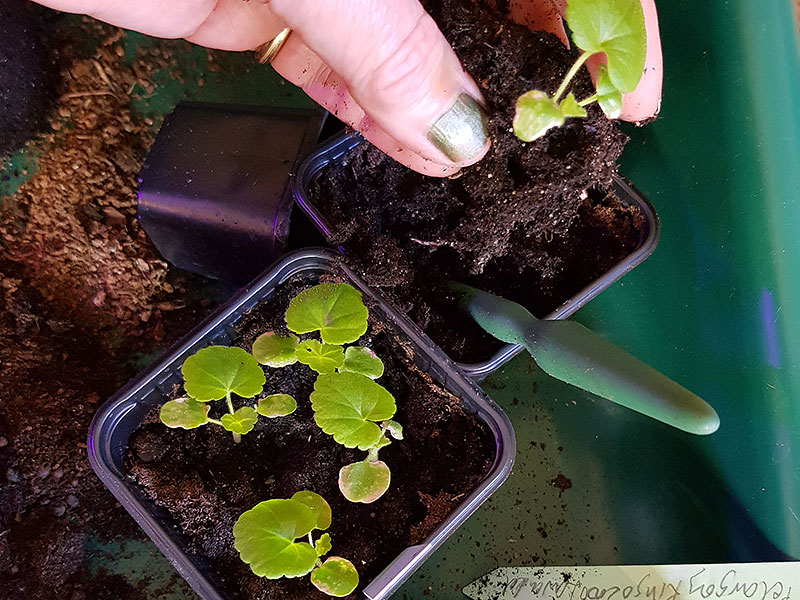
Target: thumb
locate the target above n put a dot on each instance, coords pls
(384, 67)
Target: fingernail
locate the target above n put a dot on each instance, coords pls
(462, 131)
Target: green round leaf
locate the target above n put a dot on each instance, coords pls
(213, 372)
(275, 350)
(347, 405)
(536, 114)
(358, 359)
(185, 413)
(276, 405)
(323, 544)
(615, 27)
(570, 108)
(364, 481)
(334, 309)
(242, 421)
(265, 538)
(608, 97)
(336, 577)
(322, 358)
(318, 505)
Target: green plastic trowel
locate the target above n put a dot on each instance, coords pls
(574, 354)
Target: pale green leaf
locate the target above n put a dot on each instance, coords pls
(364, 481)
(536, 114)
(383, 441)
(318, 505)
(334, 309)
(276, 405)
(275, 350)
(348, 405)
(185, 413)
(323, 544)
(608, 97)
(395, 429)
(615, 27)
(358, 359)
(241, 421)
(265, 538)
(322, 358)
(570, 107)
(336, 577)
(213, 372)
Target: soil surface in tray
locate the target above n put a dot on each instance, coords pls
(206, 481)
(532, 222)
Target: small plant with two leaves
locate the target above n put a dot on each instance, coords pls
(347, 401)
(615, 28)
(216, 373)
(275, 539)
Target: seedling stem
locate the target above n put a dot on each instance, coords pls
(236, 437)
(570, 75)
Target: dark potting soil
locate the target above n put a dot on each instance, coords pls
(533, 222)
(206, 481)
(27, 72)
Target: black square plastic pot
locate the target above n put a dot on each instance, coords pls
(331, 154)
(121, 415)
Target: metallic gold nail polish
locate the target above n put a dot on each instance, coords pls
(462, 131)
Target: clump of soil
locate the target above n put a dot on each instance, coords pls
(206, 481)
(533, 222)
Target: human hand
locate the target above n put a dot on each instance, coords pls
(382, 66)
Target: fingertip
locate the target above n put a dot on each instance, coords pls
(477, 157)
(644, 102)
(461, 133)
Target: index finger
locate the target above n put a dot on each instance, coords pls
(222, 24)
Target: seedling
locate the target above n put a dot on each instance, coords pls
(357, 412)
(347, 403)
(266, 537)
(334, 309)
(275, 350)
(358, 359)
(215, 373)
(322, 358)
(276, 405)
(613, 27)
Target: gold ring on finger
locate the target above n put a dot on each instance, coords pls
(266, 52)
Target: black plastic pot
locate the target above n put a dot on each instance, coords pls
(331, 153)
(120, 416)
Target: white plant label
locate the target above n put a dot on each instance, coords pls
(748, 581)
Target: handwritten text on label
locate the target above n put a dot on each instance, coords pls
(749, 581)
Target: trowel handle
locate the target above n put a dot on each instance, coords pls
(572, 353)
